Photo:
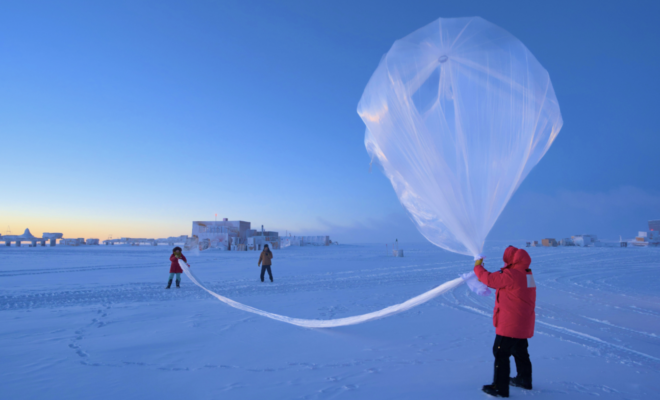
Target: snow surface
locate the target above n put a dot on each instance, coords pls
(96, 322)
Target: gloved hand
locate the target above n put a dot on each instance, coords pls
(479, 262)
(475, 285)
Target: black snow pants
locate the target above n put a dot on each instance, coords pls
(504, 348)
(265, 268)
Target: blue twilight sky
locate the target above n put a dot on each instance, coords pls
(133, 118)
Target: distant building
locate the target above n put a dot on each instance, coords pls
(170, 241)
(566, 242)
(52, 237)
(72, 242)
(220, 234)
(305, 241)
(239, 236)
(549, 242)
(654, 225)
(92, 242)
(257, 240)
(585, 240)
(644, 239)
(28, 237)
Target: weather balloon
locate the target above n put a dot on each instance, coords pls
(457, 114)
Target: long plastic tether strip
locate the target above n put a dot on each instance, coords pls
(332, 323)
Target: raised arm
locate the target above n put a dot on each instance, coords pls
(493, 280)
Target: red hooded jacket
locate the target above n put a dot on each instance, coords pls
(175, 267)
(515, 299)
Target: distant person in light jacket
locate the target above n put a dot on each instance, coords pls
(265, 262)
(513, 318)
(175, 268)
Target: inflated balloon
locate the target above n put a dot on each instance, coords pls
(457, 115)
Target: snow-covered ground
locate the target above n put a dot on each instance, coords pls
(96, 322)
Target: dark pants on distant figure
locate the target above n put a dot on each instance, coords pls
(265, 268)
(504, 348)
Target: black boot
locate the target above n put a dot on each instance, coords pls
(169, 284)
(177, 284)
(521, 383)
(491, 390)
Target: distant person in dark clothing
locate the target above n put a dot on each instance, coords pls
(265, 262)
(175, 268)
(513, 317)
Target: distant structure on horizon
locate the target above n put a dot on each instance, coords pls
(170, 241)
(239, 236)
(53, 237)
(585, 240)
(654, 225)
(287, 241)
(549, 243)
(28, 237)
(577, 240)
(223, 235)
(643, 239)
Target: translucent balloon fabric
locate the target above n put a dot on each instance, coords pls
(457, 115)
(333, 323)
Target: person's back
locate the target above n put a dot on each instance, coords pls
(516, 300)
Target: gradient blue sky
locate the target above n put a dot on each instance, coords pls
(134, 118)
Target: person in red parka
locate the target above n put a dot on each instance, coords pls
(175, 268)
(513, 318)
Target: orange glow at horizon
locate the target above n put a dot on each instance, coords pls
(97, 229)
